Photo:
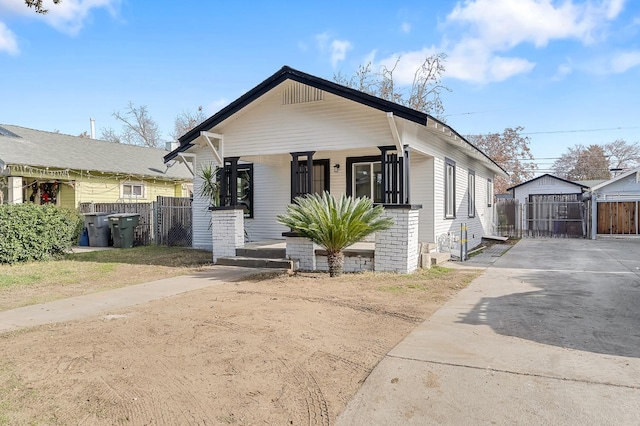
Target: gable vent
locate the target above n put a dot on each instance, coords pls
(301, 93)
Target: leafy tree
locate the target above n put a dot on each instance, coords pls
(186, 121)
(512, 152)
(138, 128)
(334, 224)
(37, 5)
(423, 95)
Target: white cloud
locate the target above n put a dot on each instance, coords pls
(621, 62)
(479, 34)
(405, 27)
(503, 24)
(339, 50)
(563, 71)
(8, 41)
(68, 16)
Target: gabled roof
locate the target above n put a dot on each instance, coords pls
(40, 149)
(617, 178)
(551, 176)
(288, 73)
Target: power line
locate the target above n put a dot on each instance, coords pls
(580, 130)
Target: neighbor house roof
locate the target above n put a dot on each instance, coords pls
(37, 148)
(288, 73)
(551, 176)
(617, 178)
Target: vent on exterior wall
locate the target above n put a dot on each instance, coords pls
(301, 93)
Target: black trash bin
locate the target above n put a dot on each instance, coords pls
(122, 227)
(97, 225)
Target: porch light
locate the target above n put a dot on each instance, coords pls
(336, 167)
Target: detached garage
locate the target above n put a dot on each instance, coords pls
(615, 205)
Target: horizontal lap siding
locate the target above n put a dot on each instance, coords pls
(201, 218)
(421, 188)
(431, 143)
(331, 124)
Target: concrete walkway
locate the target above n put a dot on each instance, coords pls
(549, 334)
(105, 301)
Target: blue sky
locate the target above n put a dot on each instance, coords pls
(567, 71)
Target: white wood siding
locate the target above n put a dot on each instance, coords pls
(627, 188)
(201, 215)
(332, 124)
(422, 192)
(434, 143)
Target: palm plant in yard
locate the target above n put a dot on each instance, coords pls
(334, 224)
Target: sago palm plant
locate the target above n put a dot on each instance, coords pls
(334, 224)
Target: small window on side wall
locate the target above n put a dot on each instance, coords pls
(471, 194)
(489, 192)
(449, 189)
(131, 190)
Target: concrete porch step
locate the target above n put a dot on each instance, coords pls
(255, 262)
(439, 258)
(262, 253)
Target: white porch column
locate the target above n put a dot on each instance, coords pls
(397, 248)
(227, 228)
(301, 250)
(15, 190)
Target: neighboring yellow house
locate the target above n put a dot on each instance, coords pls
(45, 167)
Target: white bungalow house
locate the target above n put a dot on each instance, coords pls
(615, 205)
(295, 133)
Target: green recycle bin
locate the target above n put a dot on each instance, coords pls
(97, 225)
(122, 227)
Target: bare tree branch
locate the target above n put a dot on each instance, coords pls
(186, 121)
(138, 128)
(423, 95)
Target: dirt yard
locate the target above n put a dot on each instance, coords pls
(271, 350)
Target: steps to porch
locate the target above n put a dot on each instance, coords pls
(272, 254)
(263, 256)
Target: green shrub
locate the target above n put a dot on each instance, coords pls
(33, 232)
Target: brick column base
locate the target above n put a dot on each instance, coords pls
(397, 248)
(227, 229)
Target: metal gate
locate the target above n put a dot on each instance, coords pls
(555, 215)
(173, 221)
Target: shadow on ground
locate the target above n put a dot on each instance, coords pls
(579, 310)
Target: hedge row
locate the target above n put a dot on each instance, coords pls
(33, 232)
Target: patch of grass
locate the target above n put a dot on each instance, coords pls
(423, 279)
(81, 273)
(148, 255)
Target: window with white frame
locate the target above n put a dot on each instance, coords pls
(132, 190)
(489, 192)
(471, 194)
(450, 189)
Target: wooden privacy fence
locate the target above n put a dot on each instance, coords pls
(618, 217)
(164, 222)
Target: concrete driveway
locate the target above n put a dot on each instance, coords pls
(549, 334)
